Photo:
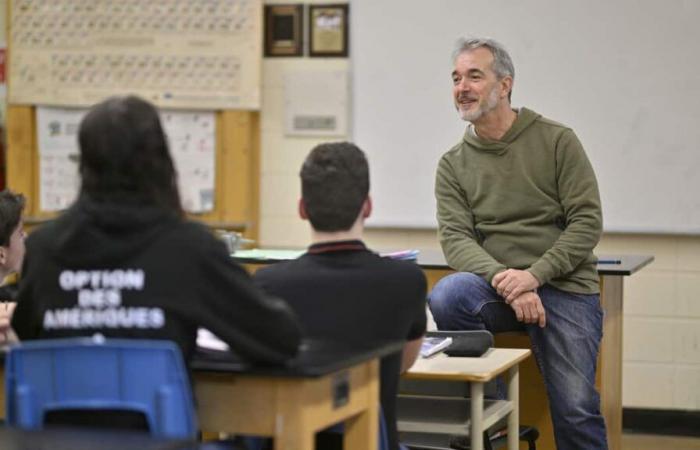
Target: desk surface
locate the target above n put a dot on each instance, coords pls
(316, 358)
(434, 259)
(481, 369)
(628, 264)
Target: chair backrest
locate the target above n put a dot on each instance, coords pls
(96, 374)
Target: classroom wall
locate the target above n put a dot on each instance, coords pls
(662, 302)
(662, 308)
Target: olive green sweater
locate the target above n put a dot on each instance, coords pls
(529, 201)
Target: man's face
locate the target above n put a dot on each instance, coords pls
(14, 252)
(475, 87)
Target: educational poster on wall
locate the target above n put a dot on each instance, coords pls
(191, 139)
(178, 53)
(57, 138)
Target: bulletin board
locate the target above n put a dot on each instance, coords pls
(175, 53)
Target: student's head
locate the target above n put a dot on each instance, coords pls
(11, 232)
(124, 154)
(334, 186)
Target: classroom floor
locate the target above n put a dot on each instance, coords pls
(632, 441)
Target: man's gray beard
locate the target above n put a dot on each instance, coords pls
(491, 103)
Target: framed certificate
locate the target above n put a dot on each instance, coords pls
(283, 30)
(328, 30)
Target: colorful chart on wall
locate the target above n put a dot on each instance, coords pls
(176, 53)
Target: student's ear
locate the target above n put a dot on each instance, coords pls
(367, 207)
(3, 255)
(302, 210)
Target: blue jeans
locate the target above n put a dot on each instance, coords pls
(566, 349)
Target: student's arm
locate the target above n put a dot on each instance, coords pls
(26, 317)
(416, 300)
(410, 353)
(456, 227)
(256, 326)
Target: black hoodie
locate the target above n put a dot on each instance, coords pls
(143, 272)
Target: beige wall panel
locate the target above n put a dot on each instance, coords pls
(648, 340)
(647, 385)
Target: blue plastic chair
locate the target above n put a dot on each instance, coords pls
(96, 374)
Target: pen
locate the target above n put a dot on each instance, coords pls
(609, 261)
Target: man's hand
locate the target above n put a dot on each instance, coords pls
(528, 308)
(512, 282)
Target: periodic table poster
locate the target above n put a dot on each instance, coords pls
(192, 54)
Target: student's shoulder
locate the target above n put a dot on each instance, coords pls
(191, 236)
(280, 270)
(406, 269)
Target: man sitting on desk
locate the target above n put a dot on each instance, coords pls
(340, 289)
(519, 214)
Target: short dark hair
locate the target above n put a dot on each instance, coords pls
(334, 185)
(11, 207)
(124, 155)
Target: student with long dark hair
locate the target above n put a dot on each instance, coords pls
(123, 261)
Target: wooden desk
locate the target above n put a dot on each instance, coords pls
(326, 384)
(475, 371)
(533, 393)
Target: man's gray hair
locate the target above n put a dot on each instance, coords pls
(502, 64)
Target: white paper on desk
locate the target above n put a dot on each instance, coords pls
(208, 340)
(432, 345)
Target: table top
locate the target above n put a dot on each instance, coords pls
(316, 358)
(434, 259)
(481, 369)
(83, 439)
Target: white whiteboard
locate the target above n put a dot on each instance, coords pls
(624, 74)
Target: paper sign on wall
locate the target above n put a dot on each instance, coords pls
(191, 138)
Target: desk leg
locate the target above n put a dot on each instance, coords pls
(362, 430)
(512, 379)
(477, 424)
(610, 361)
(293, 427)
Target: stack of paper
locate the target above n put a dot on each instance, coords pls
(407, 255)
(433, 345)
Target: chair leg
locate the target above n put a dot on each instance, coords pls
(529, 435)
(487, 441)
